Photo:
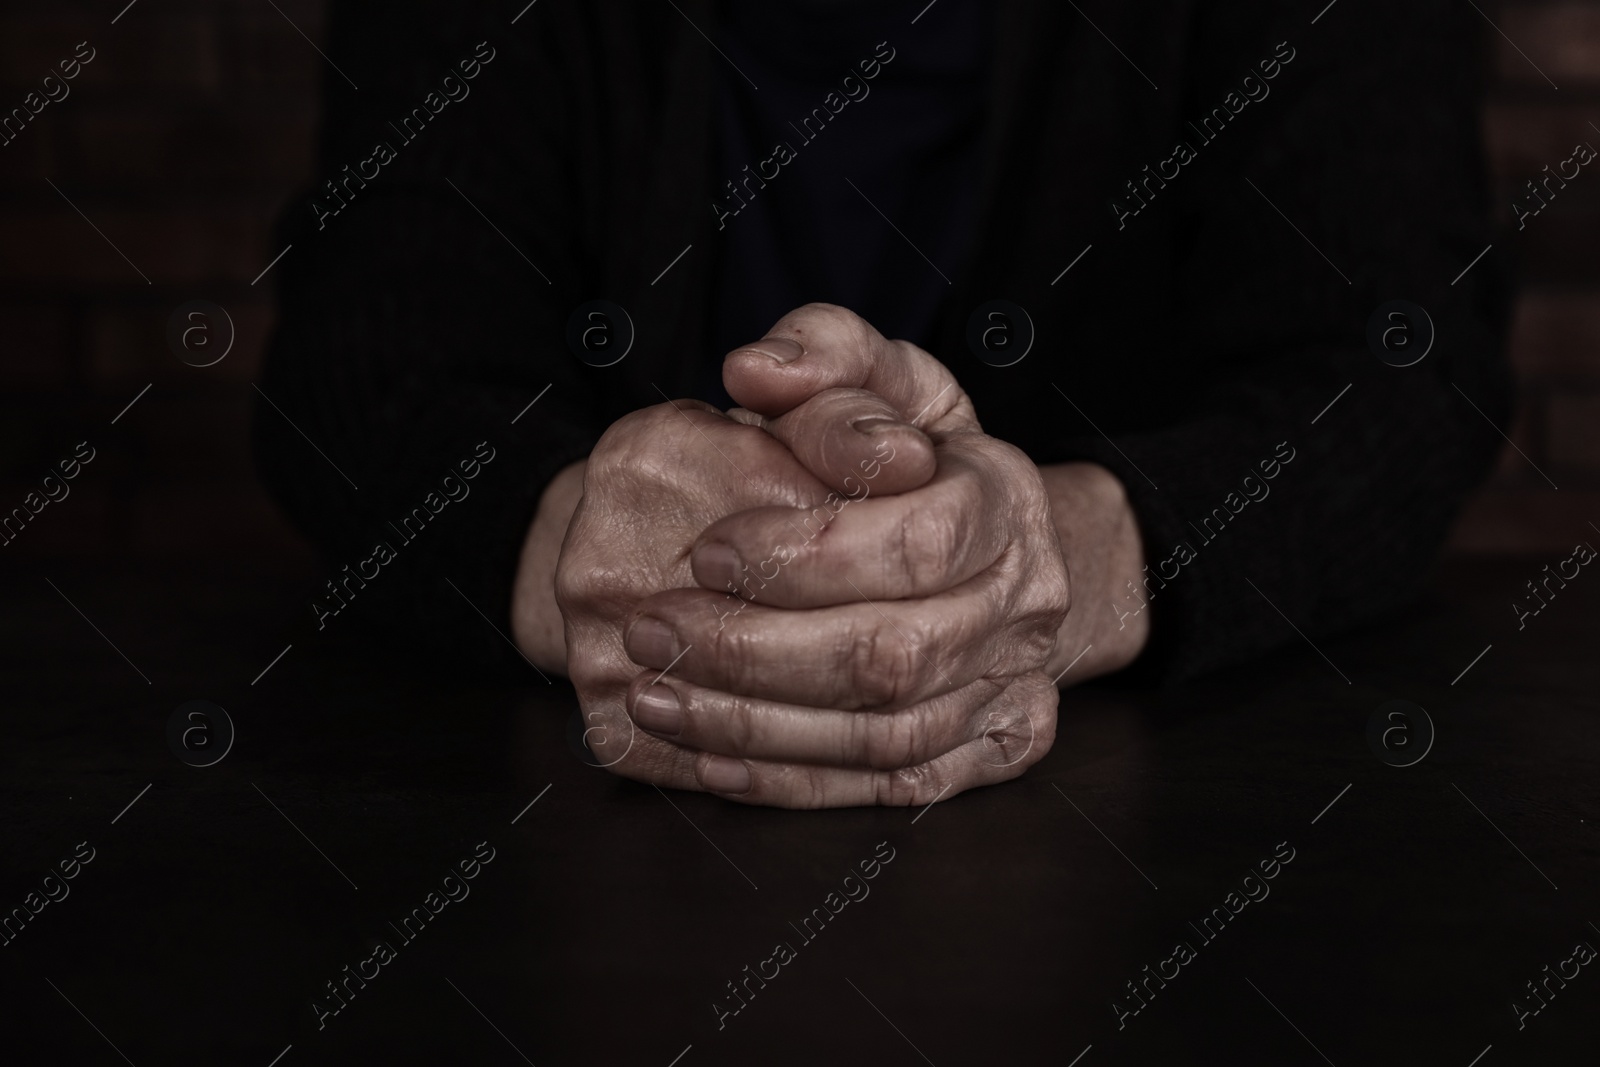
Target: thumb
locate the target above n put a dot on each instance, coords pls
(821, 346)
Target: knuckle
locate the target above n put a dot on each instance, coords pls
(907, 786)
(590, 585)
(925, 549)
(740, 728)
(618, 440)
(569, 587)
(611, 739)
(826, 314)
(1055, 588)
(1047, 600)
(814, 788)
(1030, 640)
(832, 325)
(1031, 647)
(857, 330)
(890, 740)
(1008, 734)
(1017, 464)
(884, 667)
(637, 441)
(1021, 723)
(729, 648)
(1044, 735)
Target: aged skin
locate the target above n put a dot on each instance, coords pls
(906, 654)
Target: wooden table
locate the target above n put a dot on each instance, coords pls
(1407, 907)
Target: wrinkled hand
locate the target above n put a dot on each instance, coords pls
(880, 644)
(656, 479)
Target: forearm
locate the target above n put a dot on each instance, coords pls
(535, 618)
(1100, 540)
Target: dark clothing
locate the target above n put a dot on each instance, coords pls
(1242, 223)
(905, 141)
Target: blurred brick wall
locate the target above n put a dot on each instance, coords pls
(194, 121)
(1555, 339)
(180, 140)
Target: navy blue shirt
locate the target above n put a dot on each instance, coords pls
(851, 141)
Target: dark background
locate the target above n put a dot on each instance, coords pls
(207, 923)
(196, 121)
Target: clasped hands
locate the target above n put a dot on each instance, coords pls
(842, 592)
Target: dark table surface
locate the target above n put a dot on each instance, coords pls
(1418, 903)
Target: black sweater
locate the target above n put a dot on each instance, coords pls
(1221, 305)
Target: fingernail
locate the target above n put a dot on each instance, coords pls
(872, 424)
(779, 349)
(651, 642)
(719, 564)
(724, 775)
(658, 710)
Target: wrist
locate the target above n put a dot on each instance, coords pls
(1107, 628)
(536, 622)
